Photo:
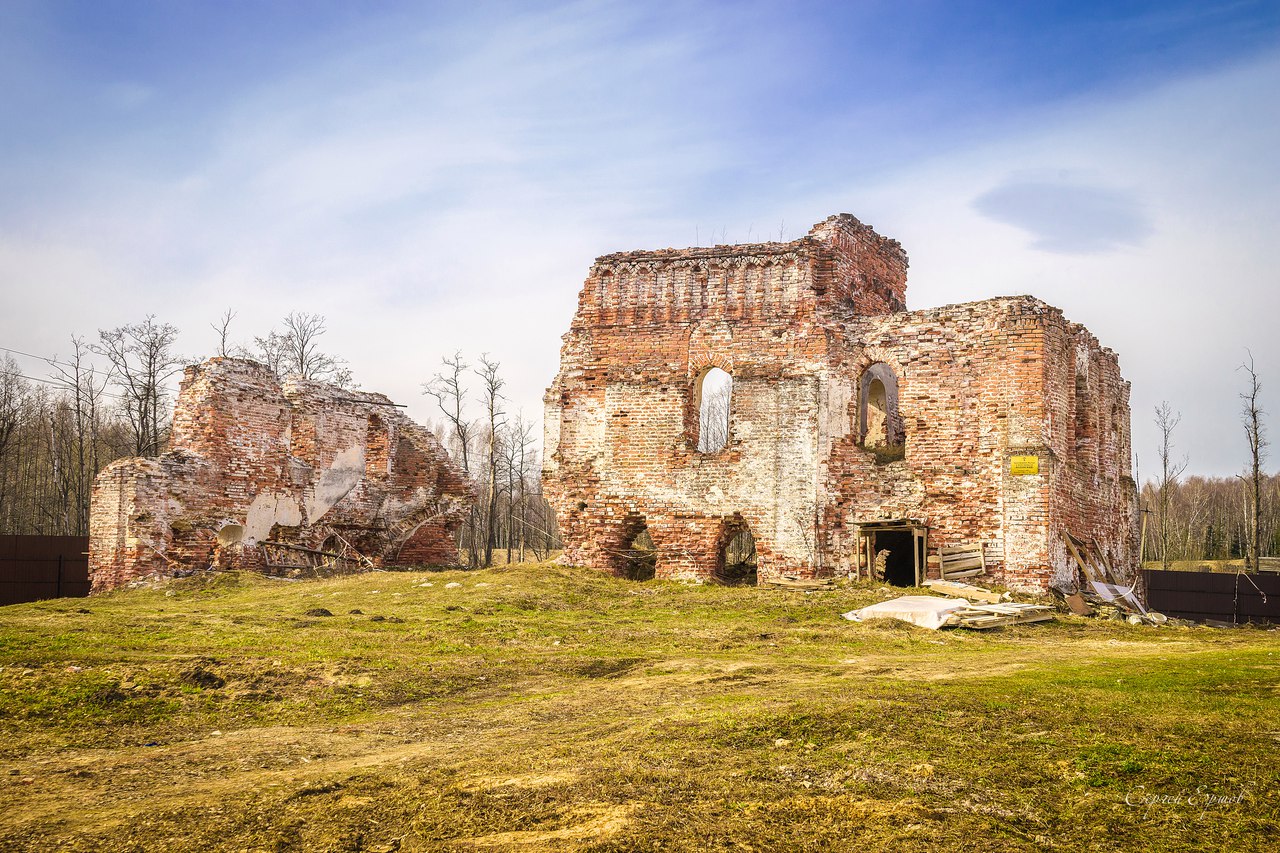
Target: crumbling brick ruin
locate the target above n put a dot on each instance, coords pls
(319, 470)
(994, 424)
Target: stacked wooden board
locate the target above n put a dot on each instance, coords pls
(961, 561)
(998, 615)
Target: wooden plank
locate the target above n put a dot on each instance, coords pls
(1034, 617)
(961, 561)
(968, 573)
(1106, 566)
(1075, 554)
(963, 590)
(916, 555)
(984, 622)
(1007, 613)
(800, 583)
(981, 622)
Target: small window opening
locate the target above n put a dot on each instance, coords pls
(1084, 428)
(715, 393)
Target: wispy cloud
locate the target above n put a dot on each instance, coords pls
(440, 181)
(1175, 266)
(1067, 217)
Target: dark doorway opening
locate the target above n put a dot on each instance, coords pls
(892, 550)
(640, 558)
(738, 559)
(899, 562)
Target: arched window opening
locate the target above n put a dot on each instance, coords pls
(879, 423)
(332, 545)
(640, 557)
(877, 415)
(715, 392)
(738, 564)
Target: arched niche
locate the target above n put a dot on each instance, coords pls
(879, 423)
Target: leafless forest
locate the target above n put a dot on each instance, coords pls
(63, 418)
(1207, 518)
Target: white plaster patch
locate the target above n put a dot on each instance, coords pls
(267, 510)
(336, 482)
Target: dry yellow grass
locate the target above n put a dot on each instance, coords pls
(543, 707)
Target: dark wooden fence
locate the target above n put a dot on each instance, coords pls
(36, 567)
(1235, 598)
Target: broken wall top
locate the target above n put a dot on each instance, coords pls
(235, 413)
(841, 267)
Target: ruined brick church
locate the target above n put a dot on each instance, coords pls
(860, 437)
(288, 478)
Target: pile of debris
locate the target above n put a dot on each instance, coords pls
(971, 607)
(1103, 593)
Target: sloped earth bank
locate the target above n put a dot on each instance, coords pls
(540, 707)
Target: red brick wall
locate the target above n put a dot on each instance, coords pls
(1094, 496)
(796, 324)
(253, 459)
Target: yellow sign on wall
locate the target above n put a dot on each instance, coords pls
(1024, 465)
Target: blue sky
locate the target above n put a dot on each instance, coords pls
(434, 176)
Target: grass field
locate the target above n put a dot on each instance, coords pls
(542, 707)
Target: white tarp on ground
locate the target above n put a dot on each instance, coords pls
(1122, 595)
(927, 611)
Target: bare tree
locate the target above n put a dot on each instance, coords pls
(295, 351)
(1251, 414)
(450, 393)
(499, 460)
(81, 428)
(226, 349)
(510, 467)
(491, 398)
(55, 435)
(1170, 471)
(12, 397)
(1209, 517)
(142, 360)
(521, 443)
